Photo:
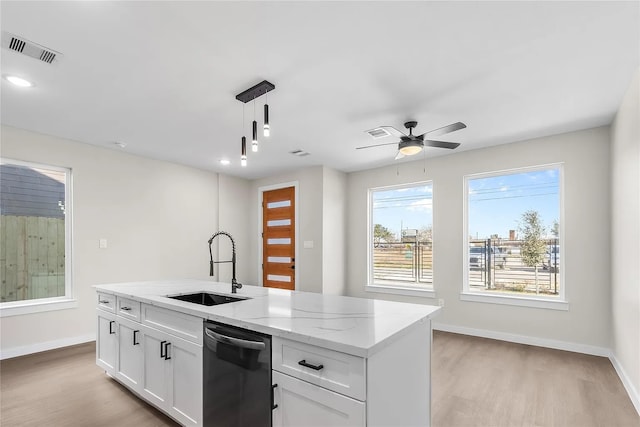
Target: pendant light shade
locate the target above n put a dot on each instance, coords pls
(243, 157)
(254, 142)
(267, 129)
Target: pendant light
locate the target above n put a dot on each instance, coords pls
(250, 95)
(266, 128)
(243, 157)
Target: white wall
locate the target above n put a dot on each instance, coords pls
(309, 261)
(625, 239)
(234, 206)
(334, 232)
(586, 227)
(156, 217)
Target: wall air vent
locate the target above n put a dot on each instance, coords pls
(26, 47)
(378, 133)
(299, 153)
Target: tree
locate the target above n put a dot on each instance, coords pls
(533, 246)
(380, 234)
(425, 234)
(555, 228)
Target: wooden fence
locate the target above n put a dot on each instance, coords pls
(32, 260)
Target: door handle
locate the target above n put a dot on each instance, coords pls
(134, 338)
(273, 405)
(111, 331)
(166, 351)
(163, 354)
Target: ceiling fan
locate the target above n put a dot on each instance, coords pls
(412, 144)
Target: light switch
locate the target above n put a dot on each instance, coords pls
(308, 244)
(103, 244)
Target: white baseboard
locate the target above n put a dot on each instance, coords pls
(44, 346)
(523, 339)
(626, 382)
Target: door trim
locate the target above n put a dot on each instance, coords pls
(261, 190)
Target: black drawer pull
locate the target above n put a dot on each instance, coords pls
(111, 331)
(125, 308)
(273, 405)
(134, 338)
(103, 301)
(162, 353)
(309, 365)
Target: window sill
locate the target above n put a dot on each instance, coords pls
(401, 290)
(532, 302)
(18, 308)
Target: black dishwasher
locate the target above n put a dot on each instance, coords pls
(237, 377)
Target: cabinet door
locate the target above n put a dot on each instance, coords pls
(185, 381)
(155, 378)
(130, 354)
(301, 404)
(106, 341)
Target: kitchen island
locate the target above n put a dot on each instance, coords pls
(374, 355)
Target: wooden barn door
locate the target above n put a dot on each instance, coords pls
(279, 238)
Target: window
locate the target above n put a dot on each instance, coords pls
(513, 247)
(35, 237)
(400, 239)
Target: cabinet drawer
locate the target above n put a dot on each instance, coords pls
(340, 372)
(128, 308)
(107, 302)
(175, 323)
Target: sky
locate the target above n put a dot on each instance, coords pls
(495, 204)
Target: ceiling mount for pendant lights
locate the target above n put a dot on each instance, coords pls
(250, 95)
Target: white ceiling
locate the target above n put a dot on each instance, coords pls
(162, 76)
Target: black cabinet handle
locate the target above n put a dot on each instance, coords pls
(166, 351)
(273, 405)
(111, 331)
(309, 365)
(103, 301)
(125, 308)
(134, 338)
(162, 353)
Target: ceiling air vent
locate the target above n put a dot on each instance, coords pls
(378, 133)
(299, 153)
(26, 47)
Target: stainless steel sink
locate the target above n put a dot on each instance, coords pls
(205, 298)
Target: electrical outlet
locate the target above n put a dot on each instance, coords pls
(441, 302)
(102, 243)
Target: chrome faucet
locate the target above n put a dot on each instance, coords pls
(234, 283)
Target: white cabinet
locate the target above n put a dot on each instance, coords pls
(301, 404)
(172, 375)
(130, 354)
(154, 352)
(106, 341)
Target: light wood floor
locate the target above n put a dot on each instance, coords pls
(476, 382)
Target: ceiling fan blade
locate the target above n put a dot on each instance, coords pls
(399, 155)
(440, 144)
(376, 145)
(446, 129)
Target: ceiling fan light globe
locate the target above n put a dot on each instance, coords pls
(410, 150)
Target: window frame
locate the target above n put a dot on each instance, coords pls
(559, 302)
(399, 288)
(66, 301)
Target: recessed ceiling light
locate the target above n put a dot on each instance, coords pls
(225, 162)
(19, 81)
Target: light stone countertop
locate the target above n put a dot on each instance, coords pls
(356, 326)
